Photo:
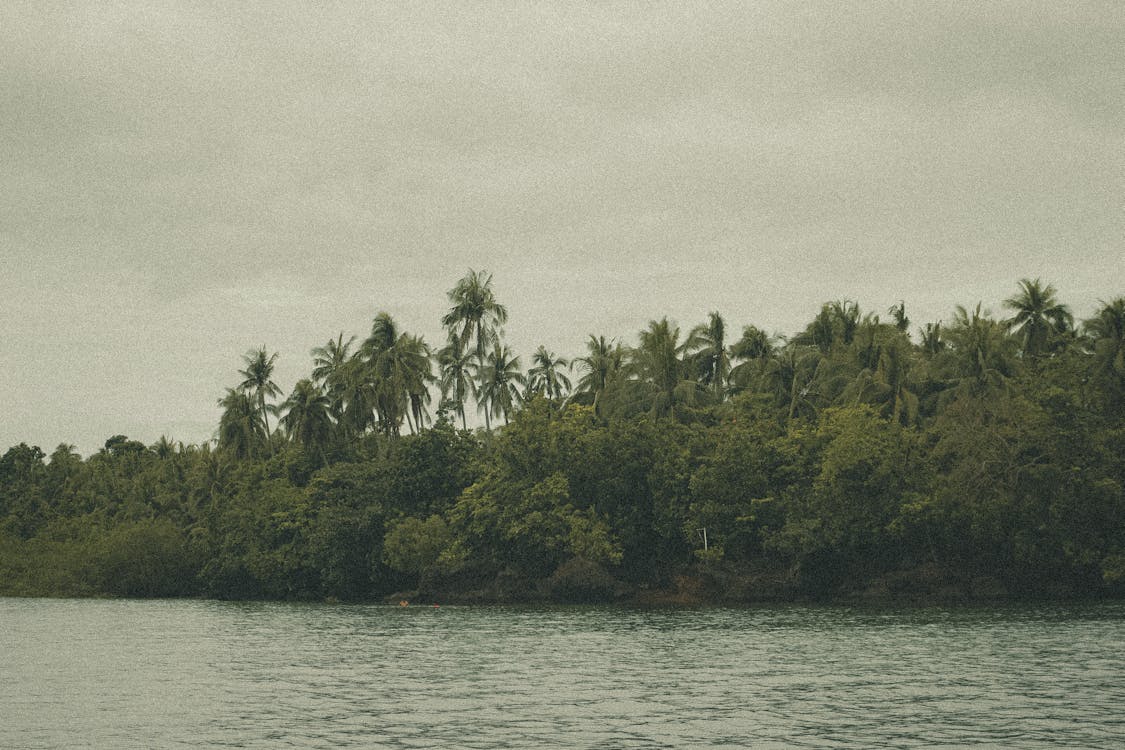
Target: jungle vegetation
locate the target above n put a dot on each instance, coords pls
(983, 455)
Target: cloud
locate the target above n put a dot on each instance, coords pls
(199, 180)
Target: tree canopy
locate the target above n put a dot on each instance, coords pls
(979, 456)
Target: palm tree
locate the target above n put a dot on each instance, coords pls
(413, 373)
(475, 312)
(846, 315)
(259, 369)
(328, 359)
(329, 363)
(754, 348)
(356, 396)
(165, 448)
(885, 381)
(898, 315)
(657, 361)
(835, 324)
(1038, 316)
(455, 364)
(307, 419)
(984, 356)
(709, 353)
(500, 378)
(378, 352)
(399, 367)
(602, 362)
(1107, 332)
(240, 429)
(892, 377)
(932, 341)
(664, 378)
(788, 376)
(546, 376)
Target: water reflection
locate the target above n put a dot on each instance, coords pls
(175, 673)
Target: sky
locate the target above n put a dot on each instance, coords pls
(183, 182)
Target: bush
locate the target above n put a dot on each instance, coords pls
(579, 580)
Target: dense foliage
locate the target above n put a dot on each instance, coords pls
(985, 457)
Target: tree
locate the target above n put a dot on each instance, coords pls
(898, 315)
(307, 419)
(500, 378)
(866, 469)
(546, 376)
(1106, 331)
(601, 364)
(984, 357)
(259, 370)
(754, 349)
(835, 325)
(356, 393)
(329, 370)
(415, 361)
(707, 344)
(399, 367)
(932, 341)
(1039, 316)
(330, 358)
(885, 381)
(456, 377)
(412, 545)
(661, 372)
(475, 312)
(788, 378)
(241, 432)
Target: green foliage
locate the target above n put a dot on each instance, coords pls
(990, 450)
(413, 545)
(531, 526)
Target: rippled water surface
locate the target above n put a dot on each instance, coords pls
(141, 674)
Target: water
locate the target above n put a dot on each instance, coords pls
(152, 674)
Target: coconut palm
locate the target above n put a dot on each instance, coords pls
(836, 324)
(500, 380)
(1107, 330)
(165, 448)
(663, 379)
(240, 429)
(789, 377)
(898, 315)
(413, 373)
(601, 364)
(399, 368)
(456, 375)
(258, 373)
(932, 341)
(893, 383)
(307, 418)
(1038, 316)
(475, 312)
(754, 349)
(984, 353)
(329, 365)
(378, 351)
(328, 359)
(707, 345)
(885, 382)
(546, 376)
(355, 392)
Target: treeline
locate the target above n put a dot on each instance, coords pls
(984, 458)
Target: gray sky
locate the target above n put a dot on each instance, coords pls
(183, 182)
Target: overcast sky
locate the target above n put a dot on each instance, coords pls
(182, 182)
